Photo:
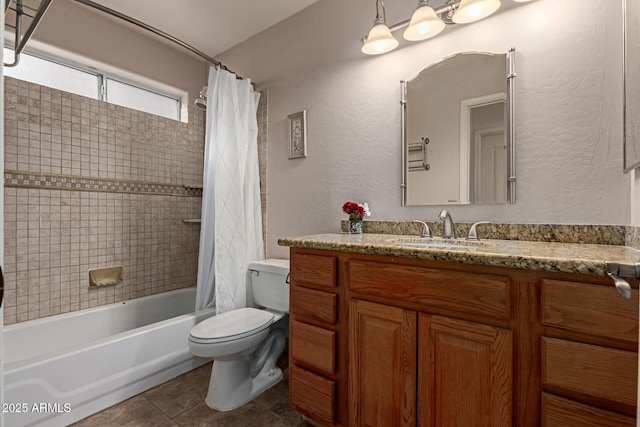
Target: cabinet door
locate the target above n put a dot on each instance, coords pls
(464, 373)
(382, 365)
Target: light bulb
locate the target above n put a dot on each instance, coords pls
(380, 40)
(474, 10)
(424, 24)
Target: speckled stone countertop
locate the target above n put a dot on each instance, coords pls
(536, 256)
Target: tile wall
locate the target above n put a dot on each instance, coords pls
(91, 185)
(263, 137)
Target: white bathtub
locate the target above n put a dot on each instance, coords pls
(63, 368)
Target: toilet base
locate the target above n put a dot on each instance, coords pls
(227, 393)
(231, 384)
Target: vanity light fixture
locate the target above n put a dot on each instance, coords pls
(380, 40)
(425, 22)
(474, 10)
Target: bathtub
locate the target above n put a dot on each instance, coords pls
(63, 368)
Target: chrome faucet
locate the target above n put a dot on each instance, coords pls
(447, 225)
(425, 228)
(473, 234)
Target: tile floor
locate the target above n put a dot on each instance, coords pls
(180, 402)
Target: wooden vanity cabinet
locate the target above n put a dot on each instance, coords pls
(412, 365)
(589, 354)
(315, 384)
(382, 365)
(465, 373)
(425, 343)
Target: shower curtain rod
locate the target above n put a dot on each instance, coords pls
(20, 40)
(157, 32)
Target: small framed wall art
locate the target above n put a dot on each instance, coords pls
(298, 135)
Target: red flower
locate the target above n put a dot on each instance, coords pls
(353, 209)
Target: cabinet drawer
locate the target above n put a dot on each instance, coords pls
(313, 305)
(312, 394)
(592, 371)
(452, 290)
(558, 412)
(314, 270)
(592, 309)
(313, 346)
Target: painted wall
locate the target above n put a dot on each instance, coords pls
(569, 112)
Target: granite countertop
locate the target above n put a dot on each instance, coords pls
(536, 256)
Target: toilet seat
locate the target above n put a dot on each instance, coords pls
(232, 325)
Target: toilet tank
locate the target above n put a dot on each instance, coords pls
(269, 283)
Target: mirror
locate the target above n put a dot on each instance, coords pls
(457, 131)
(631, 85)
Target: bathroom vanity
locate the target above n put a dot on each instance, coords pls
(500, 333)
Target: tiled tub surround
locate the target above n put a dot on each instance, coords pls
(263, 139)
(53, 132)
(54, 237)
(92, 185)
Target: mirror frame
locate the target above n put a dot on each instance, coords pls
(510, 125)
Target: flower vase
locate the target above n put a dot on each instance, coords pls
(355, 225)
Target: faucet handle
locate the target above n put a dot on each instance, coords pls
(426, 232)
(473, 234)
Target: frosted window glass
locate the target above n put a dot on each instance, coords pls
(141, 99)
(54, 75)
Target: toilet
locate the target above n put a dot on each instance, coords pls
(245, 343)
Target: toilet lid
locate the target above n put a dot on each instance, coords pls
(233, 324)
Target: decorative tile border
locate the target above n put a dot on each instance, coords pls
(74, 183)
(554, 233)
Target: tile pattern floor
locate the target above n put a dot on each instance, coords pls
(180, 402)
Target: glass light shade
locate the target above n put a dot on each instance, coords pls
(474, 10)
(380, 40)
(424, 24)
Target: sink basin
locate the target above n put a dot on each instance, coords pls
(449, 244)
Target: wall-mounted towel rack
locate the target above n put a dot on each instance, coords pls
(421, 163)
(31, 11)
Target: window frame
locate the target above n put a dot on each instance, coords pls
(103, 77)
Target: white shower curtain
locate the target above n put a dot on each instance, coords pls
(231, 229)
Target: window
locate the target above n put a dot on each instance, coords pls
(52, 74)
(131, 96)
(92, 84)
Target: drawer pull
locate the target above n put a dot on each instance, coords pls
(623, 287)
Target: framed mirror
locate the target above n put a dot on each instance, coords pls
(631, 84)
(458, 128)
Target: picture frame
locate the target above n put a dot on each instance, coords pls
(298, 135)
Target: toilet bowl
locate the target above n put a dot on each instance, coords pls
(245, 343)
